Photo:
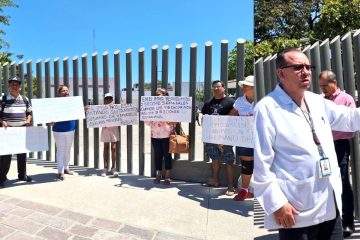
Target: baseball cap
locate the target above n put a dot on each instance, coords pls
(248, 81)
(17, 79)
(108, 95)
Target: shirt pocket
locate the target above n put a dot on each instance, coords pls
(302, 194)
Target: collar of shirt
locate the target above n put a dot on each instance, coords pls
(334, 95)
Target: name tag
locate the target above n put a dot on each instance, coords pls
(325, 169)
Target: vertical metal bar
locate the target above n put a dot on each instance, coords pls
(192, 89)
(39, 94)
(154, 63)
(141, 59)
(207, 83)
(178, 78)
(117, 101)
(306, 51)
(273, 75)
(13, 69)
(355, 147)
(48, 95)
(84, 74)
(267, 74)
(21, 75)
(75, 93)
(56, 76)
(259, 80)
(29, 84)
(165, 67)
(95, 83)
(2, 79)
(224, 63)
(240, 64)
(66, 71)
(336, 61)
(129, 128)
(6, 77)
(325, 55)
(315, 60)
(106, 72)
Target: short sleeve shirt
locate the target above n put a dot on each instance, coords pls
(218, 106)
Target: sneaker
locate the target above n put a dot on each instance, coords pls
(104, 173)
(114, 172)
(242, 195)
(25, 178)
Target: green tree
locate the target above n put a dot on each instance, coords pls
(292, 19)
(5, 20)
(337, 17)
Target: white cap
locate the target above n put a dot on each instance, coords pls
(108, 95)
(248, 81)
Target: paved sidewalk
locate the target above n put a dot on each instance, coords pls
(88, 206)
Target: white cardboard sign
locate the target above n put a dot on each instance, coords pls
(111, 115)
(58, 109)
(228, 130)
(23, 139)
(166, 108)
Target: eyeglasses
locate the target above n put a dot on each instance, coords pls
(300, 67)
(216, 87)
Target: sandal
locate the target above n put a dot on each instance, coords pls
(210, 184)
(230, 192)
(167, 182)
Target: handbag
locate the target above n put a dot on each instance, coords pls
(179, 143)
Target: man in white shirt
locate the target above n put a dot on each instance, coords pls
(296, 175)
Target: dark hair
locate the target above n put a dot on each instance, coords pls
(218, 81)
(331, 77)
(280, 57)
(61, 87)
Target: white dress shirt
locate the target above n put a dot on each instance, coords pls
(286, 158)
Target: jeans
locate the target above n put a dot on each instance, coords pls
(161, 151)
(342, 148)
(329, 230)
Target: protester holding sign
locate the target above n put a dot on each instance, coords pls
(160, 133)
(109, 135)
(220, 105)
(64, 137)
(15, 112)
(244, 106)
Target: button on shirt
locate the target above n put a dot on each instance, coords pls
(342, 98)
(286, 159)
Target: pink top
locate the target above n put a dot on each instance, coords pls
(342, 98)
(160, 129)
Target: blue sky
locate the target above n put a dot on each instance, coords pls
(41, 29)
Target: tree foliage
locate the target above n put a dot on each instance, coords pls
(5, 20)
(249, 60)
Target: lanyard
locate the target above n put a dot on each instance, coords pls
(312, 127)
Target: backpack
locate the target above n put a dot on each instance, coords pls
(3, 103)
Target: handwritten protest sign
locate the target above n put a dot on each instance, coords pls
(111, 115)
(23, 139)
(166, 108)
(228, 130)
(58, 109)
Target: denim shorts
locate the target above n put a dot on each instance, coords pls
(244, 152)
(224, 153)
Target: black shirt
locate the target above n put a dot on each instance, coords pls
(218, 106)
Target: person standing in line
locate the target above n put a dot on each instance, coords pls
(109, 136)
(244, 106)
(160, 134)
(328, 85)
(15, 112)
(296, 176)
(220, 105)
(64, 137)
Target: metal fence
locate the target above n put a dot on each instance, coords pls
(49, 78)
(340, 55)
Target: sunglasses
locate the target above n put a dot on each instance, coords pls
(216, 87)
(300, 67)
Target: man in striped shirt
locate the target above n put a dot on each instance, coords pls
(15, 112)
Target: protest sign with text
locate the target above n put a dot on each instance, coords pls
(58, 109)
(23, 139)
(166, 108)
(228, 130)
(111, 115)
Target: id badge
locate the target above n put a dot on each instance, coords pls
(325, 169)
